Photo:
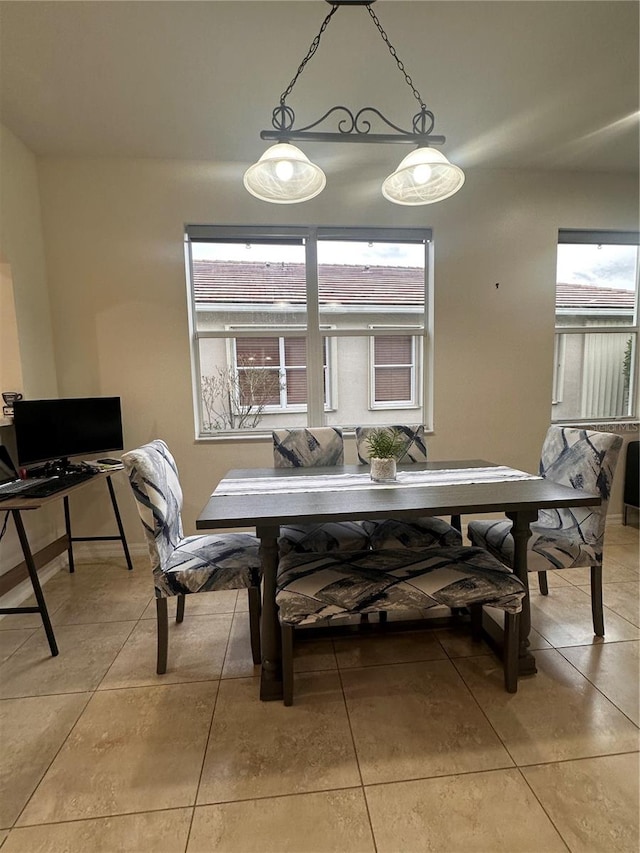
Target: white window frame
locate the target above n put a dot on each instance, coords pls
(415, 401)
(314, 330)
(285, 406)
(597, 238)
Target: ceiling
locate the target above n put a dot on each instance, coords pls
(512, 84)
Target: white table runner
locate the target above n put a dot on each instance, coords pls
(341, 482)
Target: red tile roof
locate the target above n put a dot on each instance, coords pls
(347, 284)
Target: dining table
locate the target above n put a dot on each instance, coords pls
(267, 499)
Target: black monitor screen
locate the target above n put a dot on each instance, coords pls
(56, 429)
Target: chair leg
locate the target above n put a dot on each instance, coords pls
(510, 651)
(163, 635)
(180, 608)
(254, 623)
(596, 600)
(382, 617)
(476, 621)
(287, 664)
(542, 583)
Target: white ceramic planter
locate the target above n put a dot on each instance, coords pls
(382, 470)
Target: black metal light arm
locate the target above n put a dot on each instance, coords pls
(352, 127)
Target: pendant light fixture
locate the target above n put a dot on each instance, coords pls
(285, 175)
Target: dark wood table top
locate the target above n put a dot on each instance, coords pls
(224, 511)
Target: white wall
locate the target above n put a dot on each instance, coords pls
(114, 261)
(113, 232)
(23, 261)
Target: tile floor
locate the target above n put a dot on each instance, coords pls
(395, 744)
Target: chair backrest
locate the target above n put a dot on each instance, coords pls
(307, 448)
(581, 459)
(415, 449)
(153, 477)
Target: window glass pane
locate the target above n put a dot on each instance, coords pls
(361, 283)
(295, 350)
(392, 384)
(248, 284)
(257, 352)
(593, 374)
(296, 386)
(393, 350)
(596, 285)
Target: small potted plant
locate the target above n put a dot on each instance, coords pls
(385, 445)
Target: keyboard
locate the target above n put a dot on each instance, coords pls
(52, 485)
(10, 490)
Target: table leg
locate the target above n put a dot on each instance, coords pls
(35, 582)
(67, 524)
(521, 532)
(271, 677)
(116, 512)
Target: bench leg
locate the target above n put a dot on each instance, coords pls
(163, 635)
(287, 664)
(254, 623)
(510, 651)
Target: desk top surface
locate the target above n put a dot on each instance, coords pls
(26, 503)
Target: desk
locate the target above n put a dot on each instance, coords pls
(32, 562)
(519, 499)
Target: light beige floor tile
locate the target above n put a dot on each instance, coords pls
(262, 749)
(554, 578)
(614, 668)
(564, 619)
(593, 802)
(330, 822)
(33, 730)
(313, 655)
(238, 661)
(626, 554)
(98, 593)
(484, 812)
(131, 750)
(12, 640)
(197, 648)
(85, 654)
(416, 720)
(621, 534)
(555, 715)
(623, 599)
(458, 642)
(54, 598)
(612, 572)
(199, 604)
(152, 832)
(387, 648)
(3, 835)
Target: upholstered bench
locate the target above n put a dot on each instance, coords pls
(314, 587)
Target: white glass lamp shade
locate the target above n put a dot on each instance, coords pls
(423, 177)
(284, 175)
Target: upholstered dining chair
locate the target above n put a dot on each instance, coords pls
(564, 538)
(398, 533)
(312, 588)
(306, 448)
(184, 565)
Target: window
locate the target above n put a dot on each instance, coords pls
(285, 327)
(393, 383)
(595, 354)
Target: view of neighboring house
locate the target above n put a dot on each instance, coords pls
(592, 370)
(262, 378)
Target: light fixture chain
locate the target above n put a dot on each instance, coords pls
(312, 50)
(393, 53)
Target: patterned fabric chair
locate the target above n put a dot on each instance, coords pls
(396, 533)
(315, 587)
(565, 538)
(185, 565)
(305, 448)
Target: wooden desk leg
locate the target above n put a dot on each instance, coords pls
(33, 574)
(521, 532)
(67, 524)
(116, 512)
(271, 678)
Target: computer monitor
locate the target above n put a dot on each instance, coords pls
(54, 430)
